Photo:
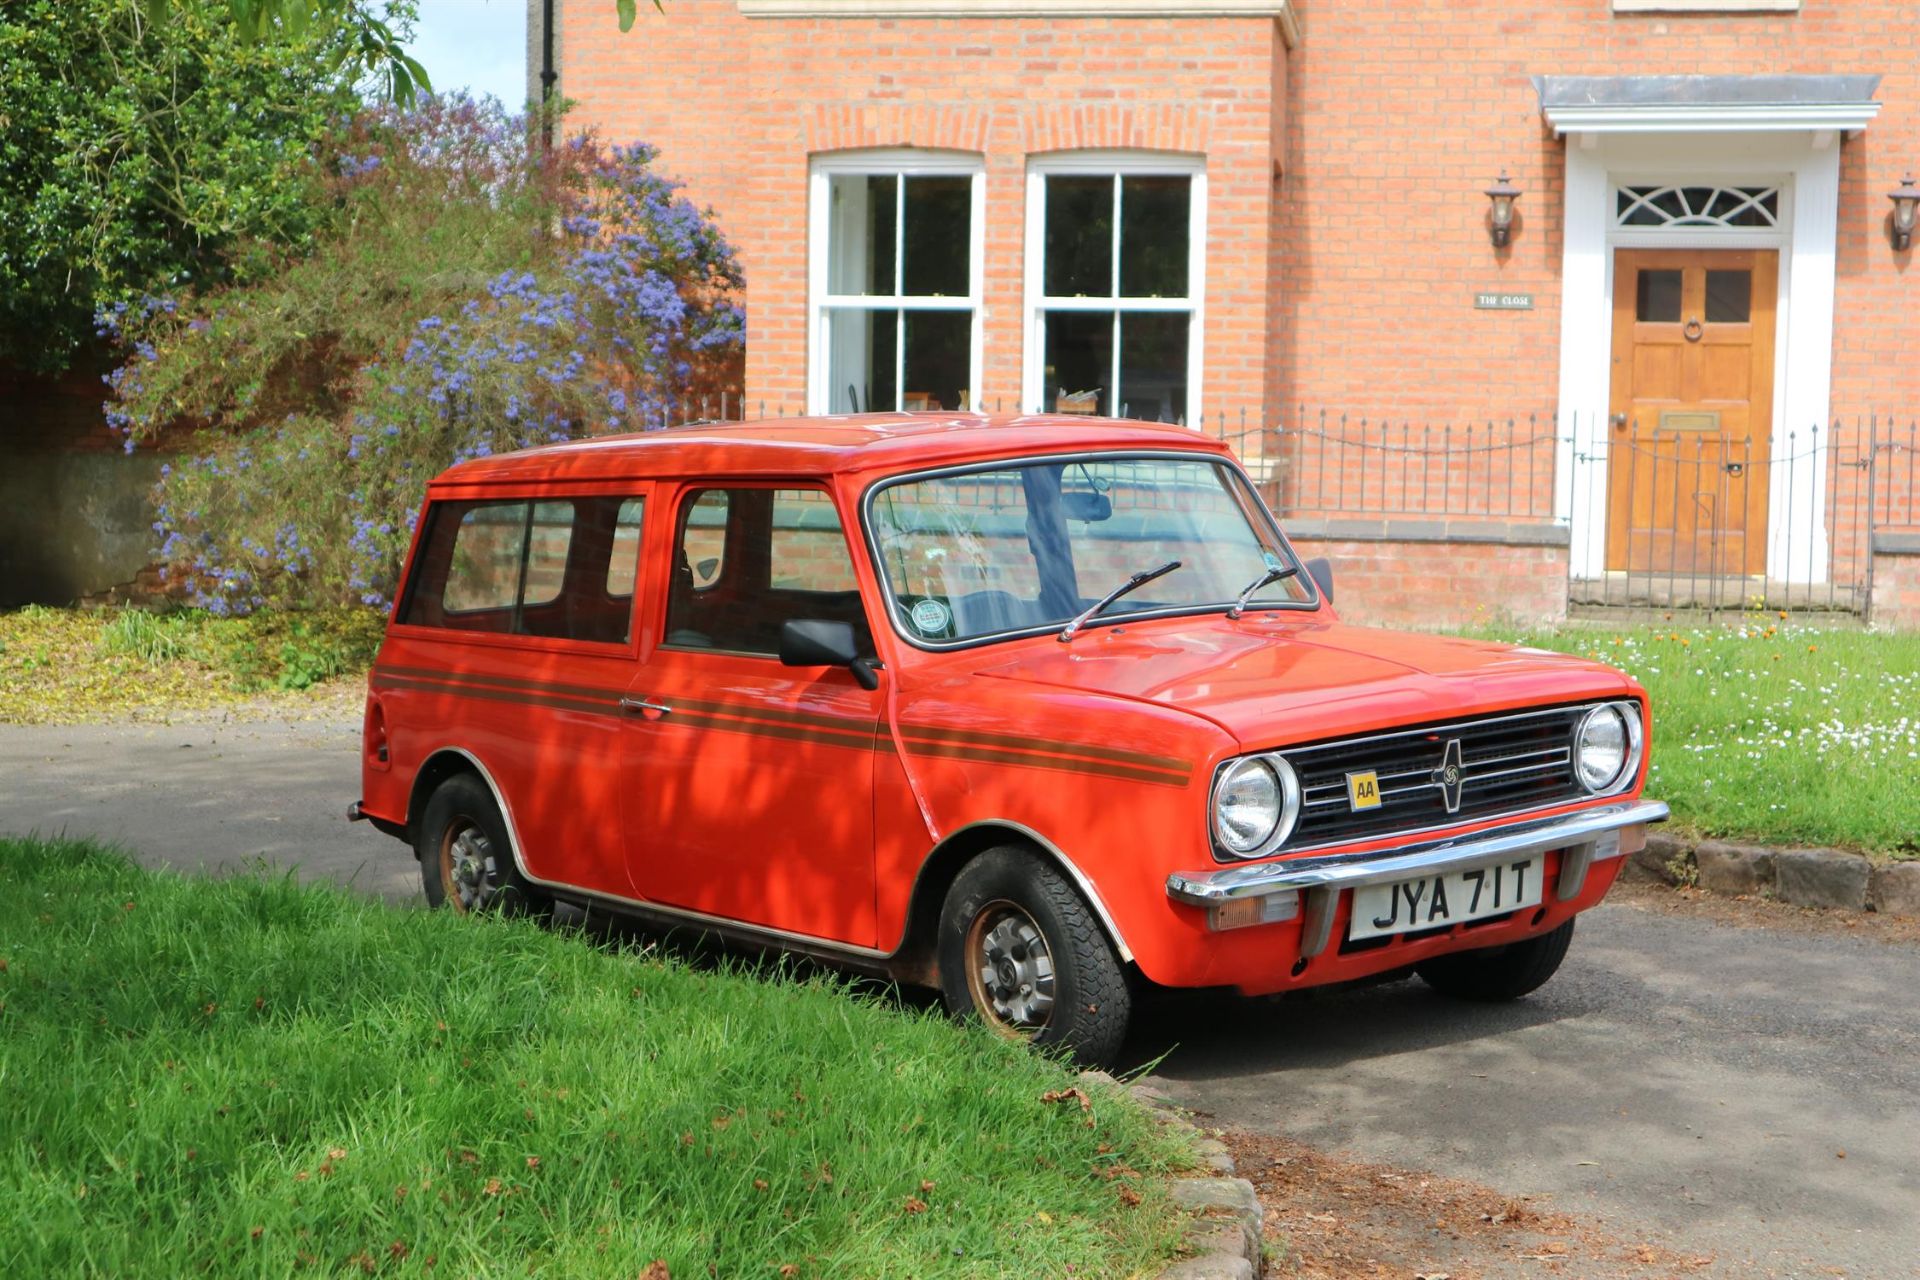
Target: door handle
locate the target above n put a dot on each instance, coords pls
(640, 706)
(1618, 420)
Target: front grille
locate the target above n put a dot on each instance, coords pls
(1508, 763)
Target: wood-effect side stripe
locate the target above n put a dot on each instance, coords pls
(805, 726)
(980, 738)
(1061, 763)
(555, 702)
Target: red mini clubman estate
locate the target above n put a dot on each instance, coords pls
(1035, 710)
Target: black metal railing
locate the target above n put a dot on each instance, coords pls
(1693, 517)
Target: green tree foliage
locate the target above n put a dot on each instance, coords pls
(471, 292)
(136, 155)
(373, 46)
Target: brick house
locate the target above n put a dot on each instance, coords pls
(1271, 217)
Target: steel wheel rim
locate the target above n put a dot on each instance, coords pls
(469, 872)
(1010, 972)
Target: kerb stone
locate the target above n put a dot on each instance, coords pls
(1896, 889)
(1822, 878)
(1733, 868)
(1656, 862)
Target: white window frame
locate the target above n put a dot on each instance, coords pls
(901, 163)
(1117, 164)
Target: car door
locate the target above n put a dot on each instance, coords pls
(749, 790)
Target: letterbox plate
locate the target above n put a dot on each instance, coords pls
(1689, 419)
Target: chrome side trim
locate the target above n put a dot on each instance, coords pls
(719, 924)
(1079, 877)
(1211, 888)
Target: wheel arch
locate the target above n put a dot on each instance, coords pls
(449, 762)
(913, 961)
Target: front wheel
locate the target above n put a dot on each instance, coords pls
(466, 864)
(1499, 973)
(1021, 950)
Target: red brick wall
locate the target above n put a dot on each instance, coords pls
(1400, 114)
(738, 106)
(1443, 584)
(58, 413)
(1354, 287)
(1896, 591)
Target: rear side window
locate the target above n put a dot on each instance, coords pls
(484, 573)
(623, 570)
(560, 568)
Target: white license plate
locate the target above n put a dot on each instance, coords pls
(1434, 902)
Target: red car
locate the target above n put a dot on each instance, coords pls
(1032, 709)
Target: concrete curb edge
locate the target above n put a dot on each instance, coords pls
(1222, 1212)
(1829, 878)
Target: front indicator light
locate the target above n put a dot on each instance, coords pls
(1244, 913)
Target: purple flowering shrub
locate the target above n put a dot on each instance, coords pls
(473, 293)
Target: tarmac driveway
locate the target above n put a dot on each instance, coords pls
(1749, 1092)
(205, 794)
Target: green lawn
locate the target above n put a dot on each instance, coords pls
(251, 1077)
(1776, 733)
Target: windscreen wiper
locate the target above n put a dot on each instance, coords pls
(1137, 581)
(1275, 573)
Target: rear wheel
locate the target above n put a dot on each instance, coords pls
(1499, 973)
(1021, 950)
(466, 863)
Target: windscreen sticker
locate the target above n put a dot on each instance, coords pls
(930, 617)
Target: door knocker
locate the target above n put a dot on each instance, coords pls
(1693, 329)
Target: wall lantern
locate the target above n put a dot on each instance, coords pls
(1500, 220)
(1906, 199)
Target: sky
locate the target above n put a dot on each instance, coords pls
(478, 45)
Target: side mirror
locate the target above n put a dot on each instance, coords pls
(821, 642)
(1320, 569)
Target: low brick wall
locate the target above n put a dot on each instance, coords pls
(1439, 573)
(1896, 581)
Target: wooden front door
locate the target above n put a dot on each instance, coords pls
(1692, 410)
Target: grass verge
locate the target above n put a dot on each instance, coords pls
(65, 665)
(1773, 733)
(252, 1077)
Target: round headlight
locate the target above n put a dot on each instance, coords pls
(1602, 748)
(1246, 805)
(1252, 802)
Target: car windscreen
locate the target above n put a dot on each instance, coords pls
(1028, 545)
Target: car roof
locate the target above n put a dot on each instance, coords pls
(822, 446)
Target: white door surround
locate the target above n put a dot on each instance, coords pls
(1791, 146)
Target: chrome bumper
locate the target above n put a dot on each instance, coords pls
(1584, 838)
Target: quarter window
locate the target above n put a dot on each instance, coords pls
(896, 279)
(1115, 287)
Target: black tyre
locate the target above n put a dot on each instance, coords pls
(1021, 950)
(466, 863)
(1499, 973)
